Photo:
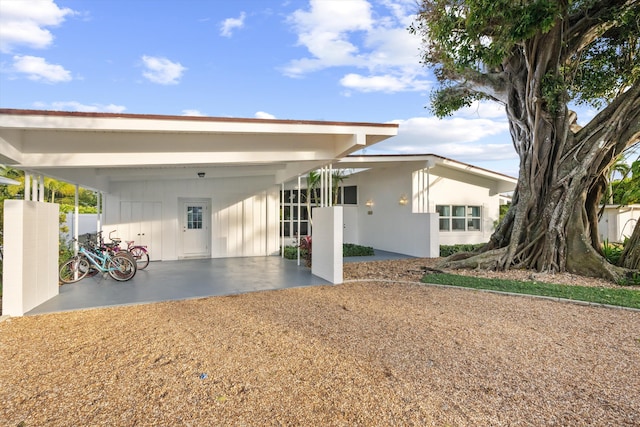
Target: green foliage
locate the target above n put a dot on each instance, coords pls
(553, 91)
(447, 250)
(612, 251)
(467, 43)
(600, 72)
(610, 296)
(348, 250)
(291, 252)
(351, 249)
(65, 251)
(503, 211)
(81, 209)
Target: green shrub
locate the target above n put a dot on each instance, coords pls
(447, 250)
(291, 252)
(348, 249)
(612, 251)
(351, 249)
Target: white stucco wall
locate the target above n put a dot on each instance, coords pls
(391, 225)
(30, 264)
(327, 258)
(618, 222)
(388, 225)
(243, 217)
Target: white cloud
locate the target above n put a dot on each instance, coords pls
(196, 113)
(463, 139)
(382, 83)
(352, 34)
(263, 115)
(230, 24)
(162, 71)
(483, 110)
(38, 69)
(78, 106)
(24, 22)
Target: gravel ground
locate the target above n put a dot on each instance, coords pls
(367, 352)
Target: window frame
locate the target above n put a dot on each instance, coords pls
(459, 218)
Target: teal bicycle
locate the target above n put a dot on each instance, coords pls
(121, 266)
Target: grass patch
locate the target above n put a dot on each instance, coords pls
(610, 296)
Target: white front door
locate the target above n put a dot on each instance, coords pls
(196, 229)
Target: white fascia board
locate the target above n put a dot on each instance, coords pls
(127, 124)
(477, 171)
(160, 159)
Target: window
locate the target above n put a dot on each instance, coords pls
(289, 208)
(194, 217)
(289, 213)
(459, 217)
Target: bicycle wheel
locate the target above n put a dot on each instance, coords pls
(122, 267)
(74, 270)
(141, 256)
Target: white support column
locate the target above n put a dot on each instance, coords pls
(99, 209)
(428, 189)
(322, 187)
(327, 244)
(281, 220)
(298, 207)
(330, 191)
(76, 223)
(34, 188)
(27, 186)
(41, 185)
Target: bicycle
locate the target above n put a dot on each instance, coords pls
(139, 252)
(119, 265)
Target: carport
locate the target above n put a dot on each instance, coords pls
(152, 166)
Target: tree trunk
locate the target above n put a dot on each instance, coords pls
(630, 257)
(552, 223)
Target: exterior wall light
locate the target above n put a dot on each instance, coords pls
(403, 200)
(200, 174)
(369, 205)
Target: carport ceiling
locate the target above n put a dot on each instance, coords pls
(93, 149)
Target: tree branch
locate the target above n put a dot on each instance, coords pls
(585, 26)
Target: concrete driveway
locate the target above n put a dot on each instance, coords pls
(186, 279)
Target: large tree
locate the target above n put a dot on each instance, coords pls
(538, 57)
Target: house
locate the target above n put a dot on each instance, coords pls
(385, 199)
(204, 187)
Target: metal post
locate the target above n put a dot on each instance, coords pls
(27, 185)
(282, 219)
(34, 188)
(41, 182)
(76, 222)
(299, 235)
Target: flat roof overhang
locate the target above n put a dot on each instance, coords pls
(438, 165)
(94, 149)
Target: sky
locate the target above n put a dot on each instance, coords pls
(335, 60)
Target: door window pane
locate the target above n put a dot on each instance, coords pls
(194, 217)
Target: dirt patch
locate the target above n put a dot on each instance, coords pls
(361, 353)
